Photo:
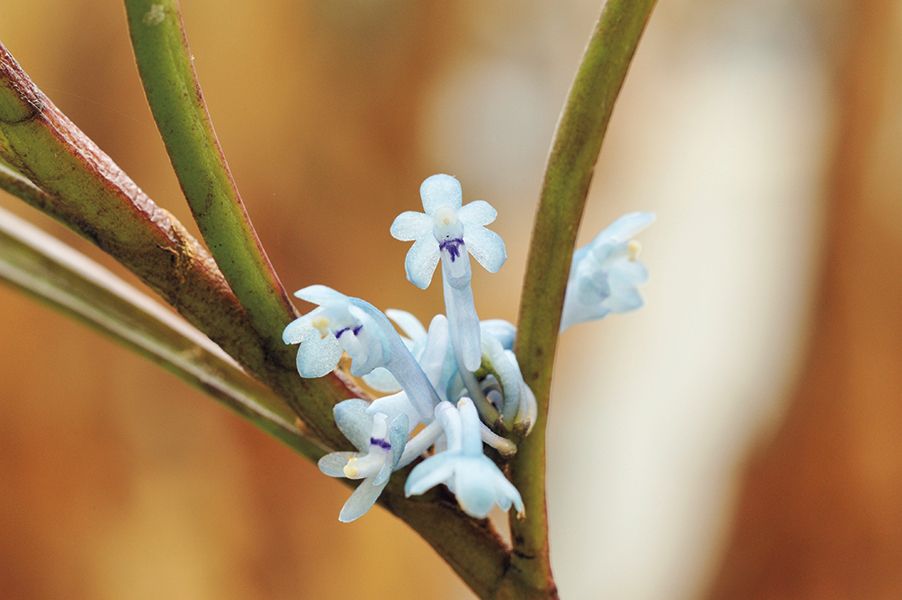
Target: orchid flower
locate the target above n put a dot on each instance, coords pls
(477, 483)
(458, 359)
(605, 273)
(380, 444)
(449, 231)
(343, 323)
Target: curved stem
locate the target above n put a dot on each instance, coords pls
(84, 189)
(177, 103)
(70, 282)
(87, 191)
(49, 270)
(574, 151)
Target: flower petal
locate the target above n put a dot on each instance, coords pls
(501, 330)
(361, 501)
(440, 191)
(394, 405)
(429, 473)
(397, 437)
(478, 213)
(475, 485)
(422, 258)
(506, 494)
(411, 225)
(320, 294)
(381, 380)
(300, 329)
(486, 246)
(333, 464)
(384, 474)
(409, 324)
(625, 228)
(354, 422)
(318, 356)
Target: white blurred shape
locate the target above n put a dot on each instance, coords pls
(723, 138)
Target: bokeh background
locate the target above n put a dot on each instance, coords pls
(737, 438)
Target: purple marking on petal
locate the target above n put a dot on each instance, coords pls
(341, 331)
(356, 330)
(453, 247)
(384, 444)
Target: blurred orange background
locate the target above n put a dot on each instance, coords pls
(737, 438)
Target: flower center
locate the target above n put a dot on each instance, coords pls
(445, 216)
(321, 324)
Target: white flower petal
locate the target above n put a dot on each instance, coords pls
(422, 258)
(381, 380)
(300, 329)
(429, 473)
(360, 501)
(318, 356)
(475, 483)
(478, 212)
(333, 464)
(440, 191)
(486, 246)
(409, 324)
(354, 422)
(320, 294)
(625, 228)
(411, 225)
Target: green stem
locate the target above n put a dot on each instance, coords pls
(70, 282)
(85, 190)
(574, 152)
(88, 192)
(177, 103)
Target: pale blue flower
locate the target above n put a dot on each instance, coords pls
(449, 231)
(331, 328)
(605, 273)
(477, 483)
(343, 323)
(380, 444)
(416, 338)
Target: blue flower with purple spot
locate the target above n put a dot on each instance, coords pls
(447, 230)
(334, 327)
(380, 444)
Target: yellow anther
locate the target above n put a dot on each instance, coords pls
(349, 470)
(321, 324)
(634, 248)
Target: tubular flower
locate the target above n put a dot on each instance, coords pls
(380, 444)
(449, 231)
(605, 273)
(472, 477)
(331, 328)
(342, 323)
(457, 385)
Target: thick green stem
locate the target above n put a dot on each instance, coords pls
(175, 98)
(85, 190)
(70, 282)
(574, 152)
(88, 192)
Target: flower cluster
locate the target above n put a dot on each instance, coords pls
(452, 389)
